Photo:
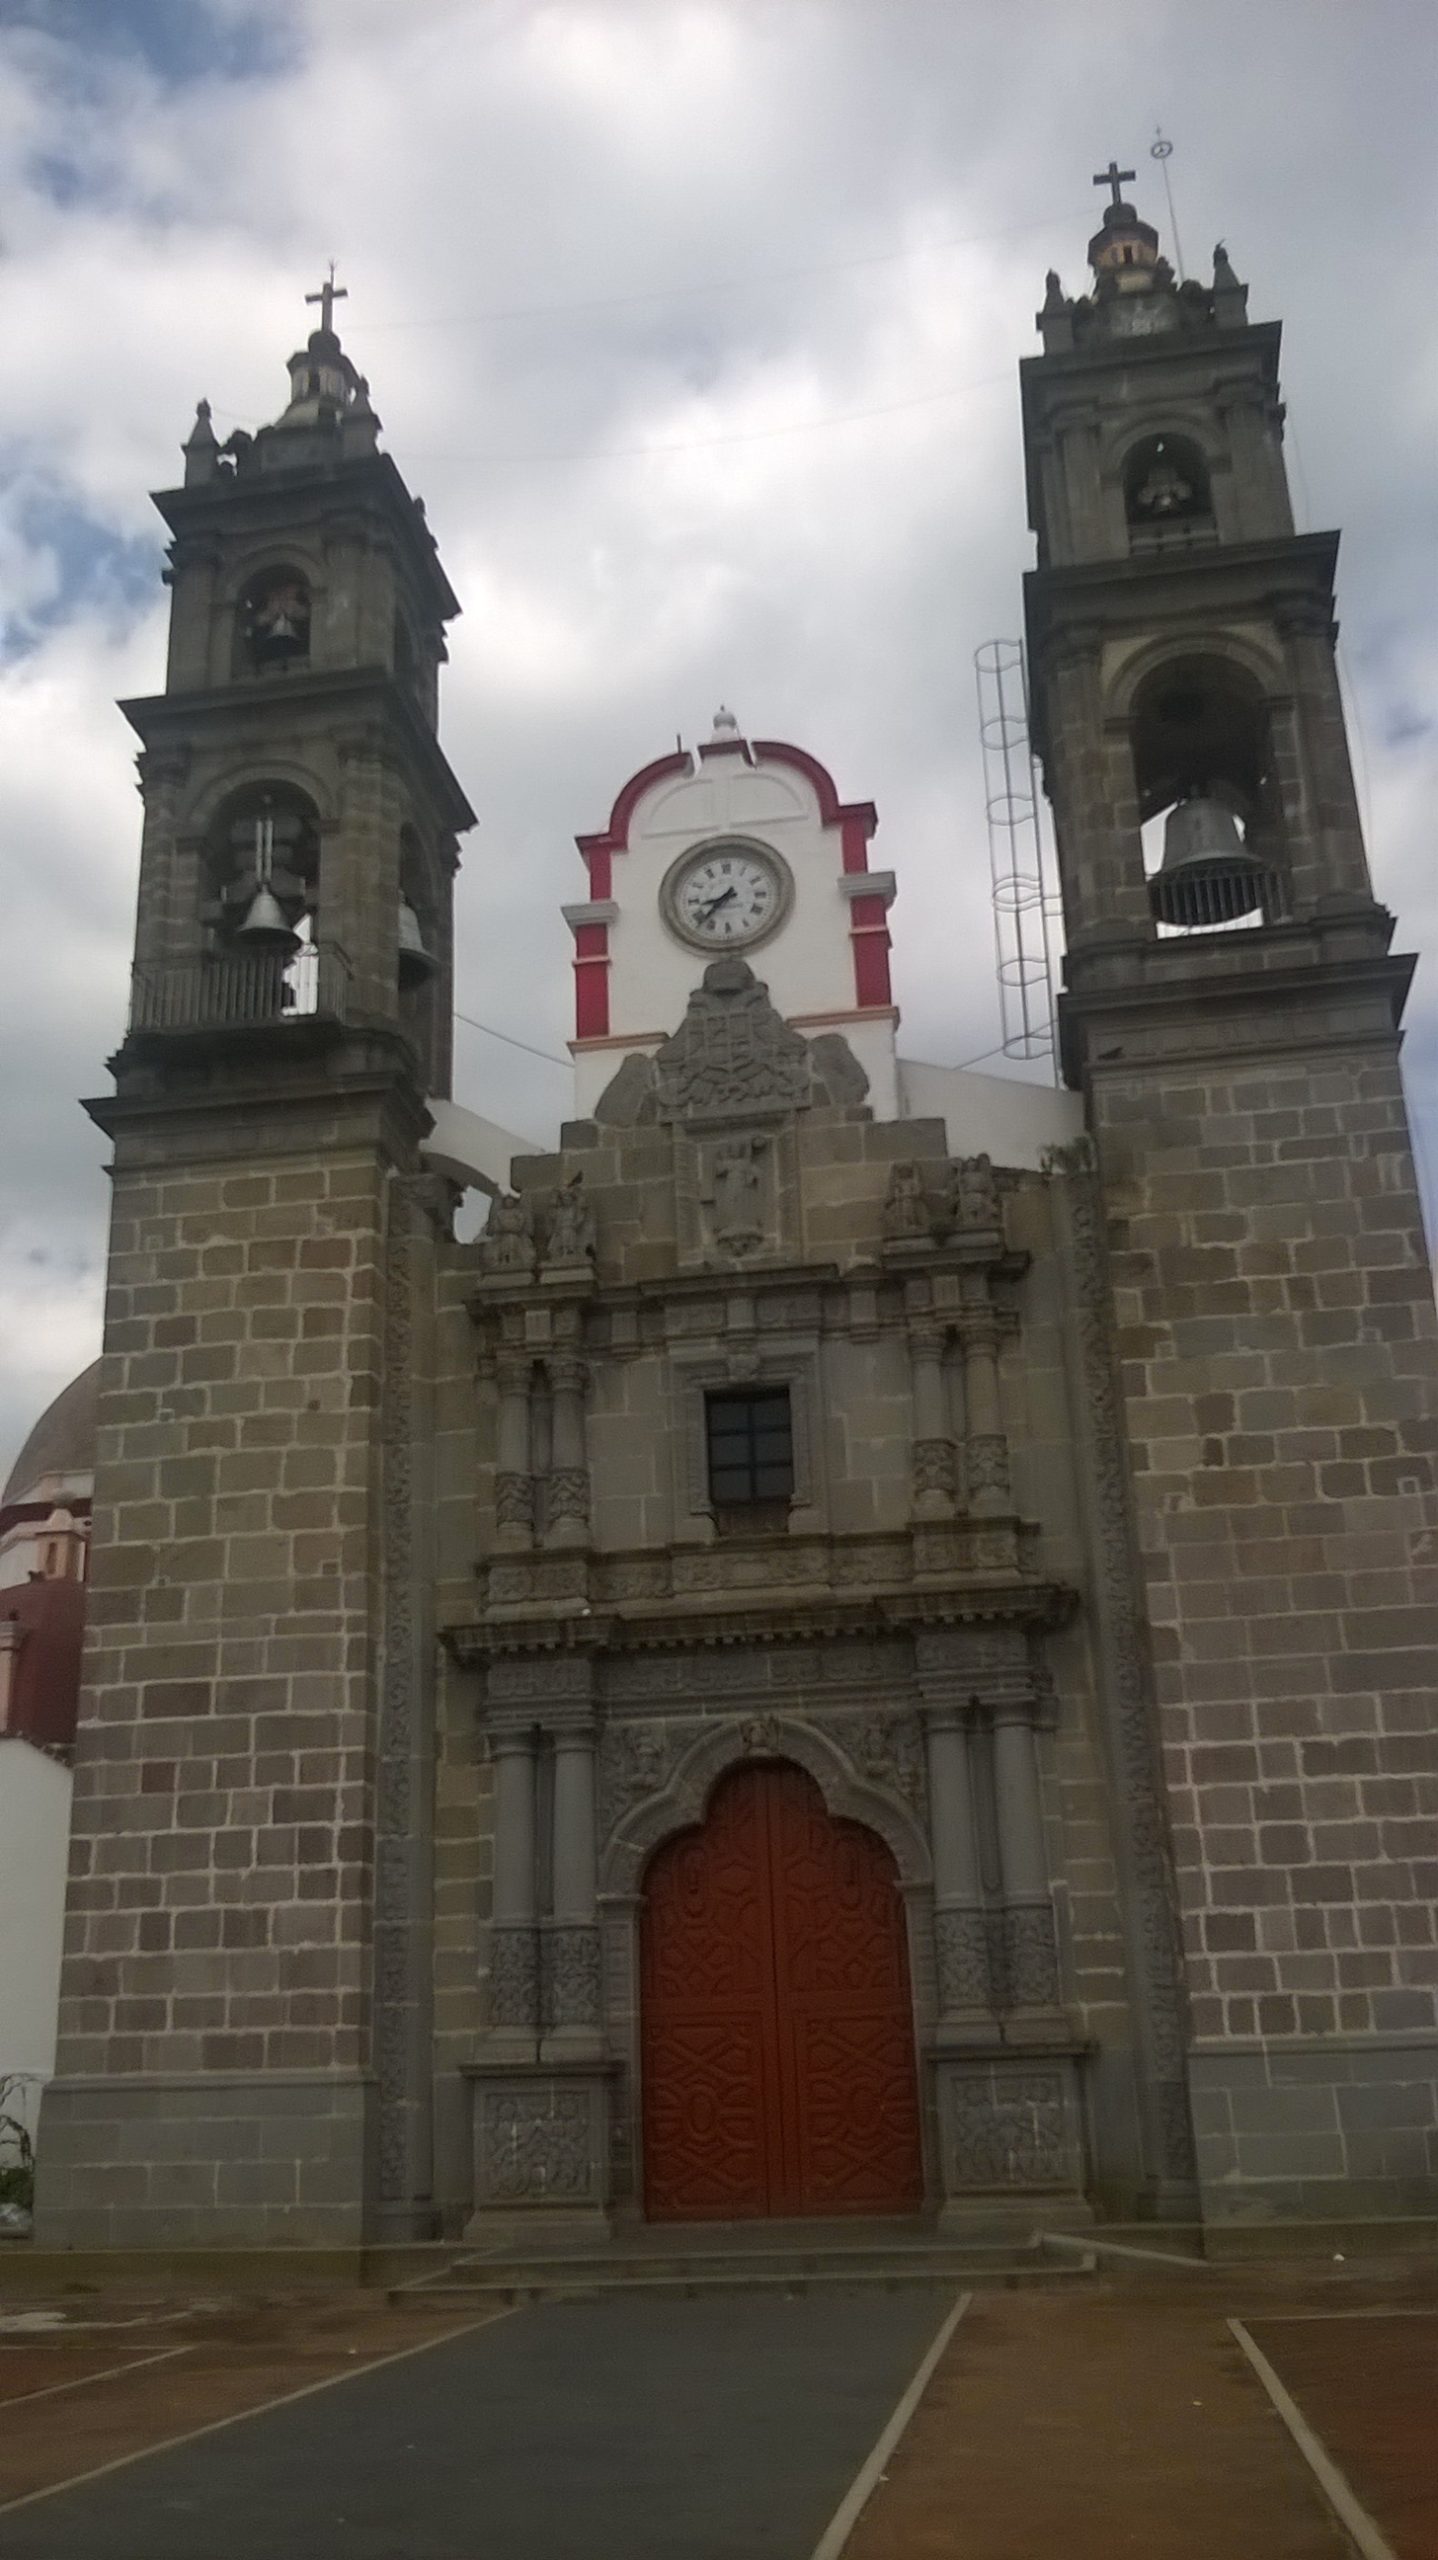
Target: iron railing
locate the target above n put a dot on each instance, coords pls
(241, 990)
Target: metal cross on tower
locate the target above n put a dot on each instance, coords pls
(329, 294)
(1113, 176)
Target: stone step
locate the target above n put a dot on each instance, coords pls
(746, 2270)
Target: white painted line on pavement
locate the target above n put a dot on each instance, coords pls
(1090, 2245)
(1357, 2523)
(79, 2381)
(237, 2417)
(834, 2539)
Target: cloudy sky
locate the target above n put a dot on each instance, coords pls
(696, 324)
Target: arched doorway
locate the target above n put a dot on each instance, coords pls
(777, 2044)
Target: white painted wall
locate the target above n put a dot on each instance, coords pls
(807, 965)
(996, 1116)
(34, 1856)
(470, 1149)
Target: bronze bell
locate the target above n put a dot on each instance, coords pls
(1207, 876)
(263, 926)
(416, 962)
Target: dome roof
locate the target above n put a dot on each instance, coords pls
(62, 1444)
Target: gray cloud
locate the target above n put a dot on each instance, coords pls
(697, 327)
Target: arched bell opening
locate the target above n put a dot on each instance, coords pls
(263, 862)
(1167, 495)
(1202, 756)
(272, 624)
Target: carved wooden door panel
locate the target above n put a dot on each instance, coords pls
(777, 2043)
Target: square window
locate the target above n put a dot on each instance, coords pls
(750, 1447)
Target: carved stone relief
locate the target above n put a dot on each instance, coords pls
(535, 2145)
(1009, 2129)
(733, 1056)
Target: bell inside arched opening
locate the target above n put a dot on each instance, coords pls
(1213, 854)
(1167, 497)
(272, 625)
(263, 913)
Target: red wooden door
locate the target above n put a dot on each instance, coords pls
(777, 2040)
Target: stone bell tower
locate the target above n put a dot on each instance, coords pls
(243, 2038)
(1230, 1014)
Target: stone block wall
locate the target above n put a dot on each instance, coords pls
(1279, 1357)
(217, 1966)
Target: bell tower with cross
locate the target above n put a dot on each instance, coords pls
(1230, 1013)
(247, 1991)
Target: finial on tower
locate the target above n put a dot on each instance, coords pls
(725, 725)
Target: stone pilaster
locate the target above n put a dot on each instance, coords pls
(572, 1935)
(1030, 1952)
(514, 1477)
(567, 1488)
(514, 1938)
(934, 1471)
(986, 1449)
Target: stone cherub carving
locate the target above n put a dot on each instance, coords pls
(906, 1210)
(973, 1201)
(571, 1238)
(507, 1243)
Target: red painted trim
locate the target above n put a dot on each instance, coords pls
(871, 964)
(615, 837)
(600, 859)
(591, 995)
(45, 1687)
(833, 810)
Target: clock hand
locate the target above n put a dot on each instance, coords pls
(715, 903)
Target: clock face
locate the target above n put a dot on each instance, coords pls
(727, 895)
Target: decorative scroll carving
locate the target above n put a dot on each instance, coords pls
(507, 1243)
(733, 1055)
(934, 1468)
(513, 1978)
(1030, 1957)
(513, 1499)
(1009, 2129)
(961, 1947)
(986, 1464)
(566, 1494)
(1148, 1858)
(571, 1977)
(535, 2145)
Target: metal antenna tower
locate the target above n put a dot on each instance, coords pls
(1161, 150)
(1024, 906)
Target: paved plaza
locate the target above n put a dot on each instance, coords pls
(1103, 2415)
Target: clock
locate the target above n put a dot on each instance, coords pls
(726, 895)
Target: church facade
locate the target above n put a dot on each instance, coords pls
(868, 1648)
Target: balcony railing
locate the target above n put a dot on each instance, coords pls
(241, 990)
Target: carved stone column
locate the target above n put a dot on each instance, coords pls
(986, 1450)
(933, 1454)
(1030, 1950)
(567, 1490)
(960, 1923)
(572, 1939)
(514, 1940)
(514, 1480)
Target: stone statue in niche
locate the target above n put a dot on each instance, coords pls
(571, 1240)
(974, 1197)
(737, 1222)
(507, 1243)
(906, 1211)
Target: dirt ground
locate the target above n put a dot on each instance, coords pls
(1127, 2419)
(1095, 2418)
